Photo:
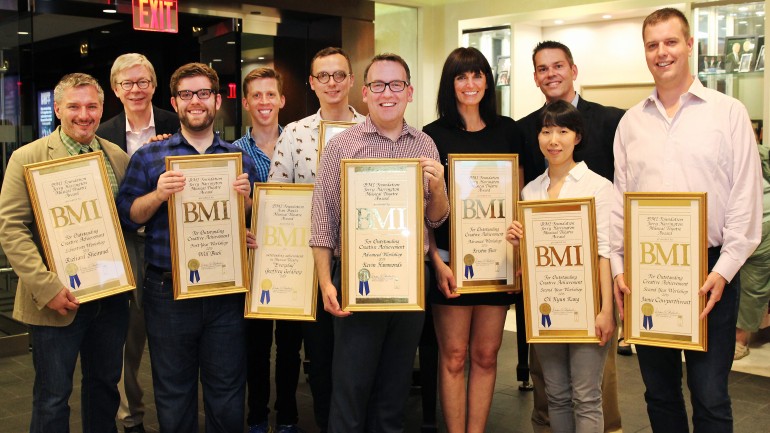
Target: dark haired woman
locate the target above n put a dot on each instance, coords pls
(468, 123)
(573, 371)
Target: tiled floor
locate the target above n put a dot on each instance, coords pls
(510, 409)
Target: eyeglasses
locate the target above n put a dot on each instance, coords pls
(323, 77)
(395, 86)
(128, 85)
(186, 95)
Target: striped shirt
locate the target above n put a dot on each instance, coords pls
(261, 161)
(362, 141)
(76, 148)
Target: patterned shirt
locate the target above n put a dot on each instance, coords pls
(146, 166)
(296, 153)
(261, 160)
(362, 141)
(76, 148)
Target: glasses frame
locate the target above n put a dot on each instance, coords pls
(130, 84)
(387, 86)
(196, 93)
(329, 76)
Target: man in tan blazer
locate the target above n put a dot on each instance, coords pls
(61, 328)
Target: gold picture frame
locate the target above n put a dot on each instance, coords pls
(78, 224)
(665, 265)
(327, 129)
(282, 265)
(207, 233)
(484, 190)
(560, 264)
(382, 235)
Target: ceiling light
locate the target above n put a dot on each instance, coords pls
(216, 60)
(23, 33)
(558, 22)
(261, 58)
(606, 17)
(105, 32)
(230, 42)
(110, 11)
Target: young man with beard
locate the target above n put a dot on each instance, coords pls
(188, 338)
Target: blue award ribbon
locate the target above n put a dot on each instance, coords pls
(647, 322)
(195, 276)
(546, 320)
(468, 270)
(265, 296)
(363, 286)
(74, 281)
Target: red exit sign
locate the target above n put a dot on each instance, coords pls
(156, 15)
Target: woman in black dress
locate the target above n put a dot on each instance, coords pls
(468, 123)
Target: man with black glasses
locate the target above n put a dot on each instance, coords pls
(296, 161)
(198, 337)
(373, 352)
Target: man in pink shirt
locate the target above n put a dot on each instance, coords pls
(685, 137)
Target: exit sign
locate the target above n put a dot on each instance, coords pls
(156, 15)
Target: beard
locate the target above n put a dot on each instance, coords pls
(198, 124)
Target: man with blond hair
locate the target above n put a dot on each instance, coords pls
(190, 339)
(61, 329)
(687, 138)
(133, 80)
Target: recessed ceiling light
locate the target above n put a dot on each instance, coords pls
(216, 60)
(105, 32)
(558, 22)
(110, 11)
(23, 33)
(261, 58)
(230, 42)
(607, 16)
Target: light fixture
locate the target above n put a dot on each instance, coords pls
(110, 11)
(216, 60)
(23, 33)
(743, 8)
(230, 42)
(607, 16)
(261, 58)
(558, 22)
(105, 32)
(742, 22)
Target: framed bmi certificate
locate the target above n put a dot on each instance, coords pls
(283, 279)
(382, 235)
(327, 130)
(78, 224)
(560, 264)
(665, 264)
(484, 191)
(207, 226)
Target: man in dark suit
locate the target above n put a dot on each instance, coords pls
(133, 80)
(555, 73)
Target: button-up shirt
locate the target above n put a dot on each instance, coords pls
(580, 182)
(136, 139)
(362, 141)
(708, 146)
(76, 148)
(296, 154)
(146, 166)
(261, 160)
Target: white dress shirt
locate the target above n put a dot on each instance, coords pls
(708, 146)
